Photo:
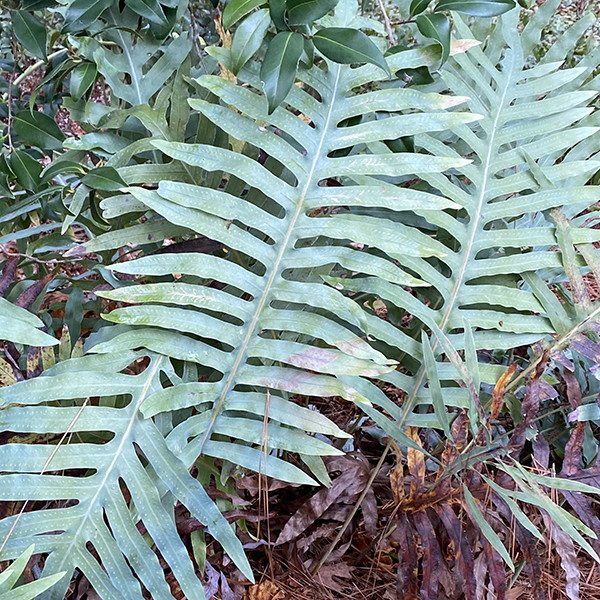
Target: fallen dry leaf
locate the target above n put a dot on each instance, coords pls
(431, 556)
(329, 574)
(351, 482)
(370, 512)
(462, 550)
(406, 582)
(397, 476)
(538, 390)
(267, 590)
(516, 592)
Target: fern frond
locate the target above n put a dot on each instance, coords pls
(532, 151)
(131, 478)
(272, 322)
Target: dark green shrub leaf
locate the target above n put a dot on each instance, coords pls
(36, 4)
(237, 9)
(248, 38)
(104, 178)
(82, 13)
(436, 27)
(401, 144)
(418, 6)
(39, 130)
(5, 190)
(309, 50)
(278, 71)
(82, 78)
(30, 32)
(61, 167)
(149, 9)
(346, 46)
(277, 8)
(418, 76)
(476, 8)
(27, 170)
(301, 12)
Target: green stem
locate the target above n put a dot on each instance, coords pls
(35, 66)
(557, 345)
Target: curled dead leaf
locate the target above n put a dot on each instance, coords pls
(431, 556)
(538, 390)
(498, 393)
(267, 590)
(406, 583)
(331, 574)
(565, 548)
(416, 464)
(462, 551)
(397, 475)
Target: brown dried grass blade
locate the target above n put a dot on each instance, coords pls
(462, 550)
(406, 582)
(431, 556)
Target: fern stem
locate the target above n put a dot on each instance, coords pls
(388, 23)
(558, 344)
(263, 301)
(35, 66)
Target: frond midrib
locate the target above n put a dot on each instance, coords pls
(275, 268)
(467, 249)
(72, 548)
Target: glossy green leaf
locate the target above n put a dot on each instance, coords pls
(5, 187)
(61, 167)
(401, 144)
(476, 8)
(237, 9)
(277, 9)
(83, 13)
(347, 46)
(248, 38)
(38, 129)
(436, 27)
(82, 79)
(149, 9)
(418, 6)
(104, 178)
(26, 169)
(30, 32)
(300, 12)
(309, 51)
(278, 71)
(36, 4)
